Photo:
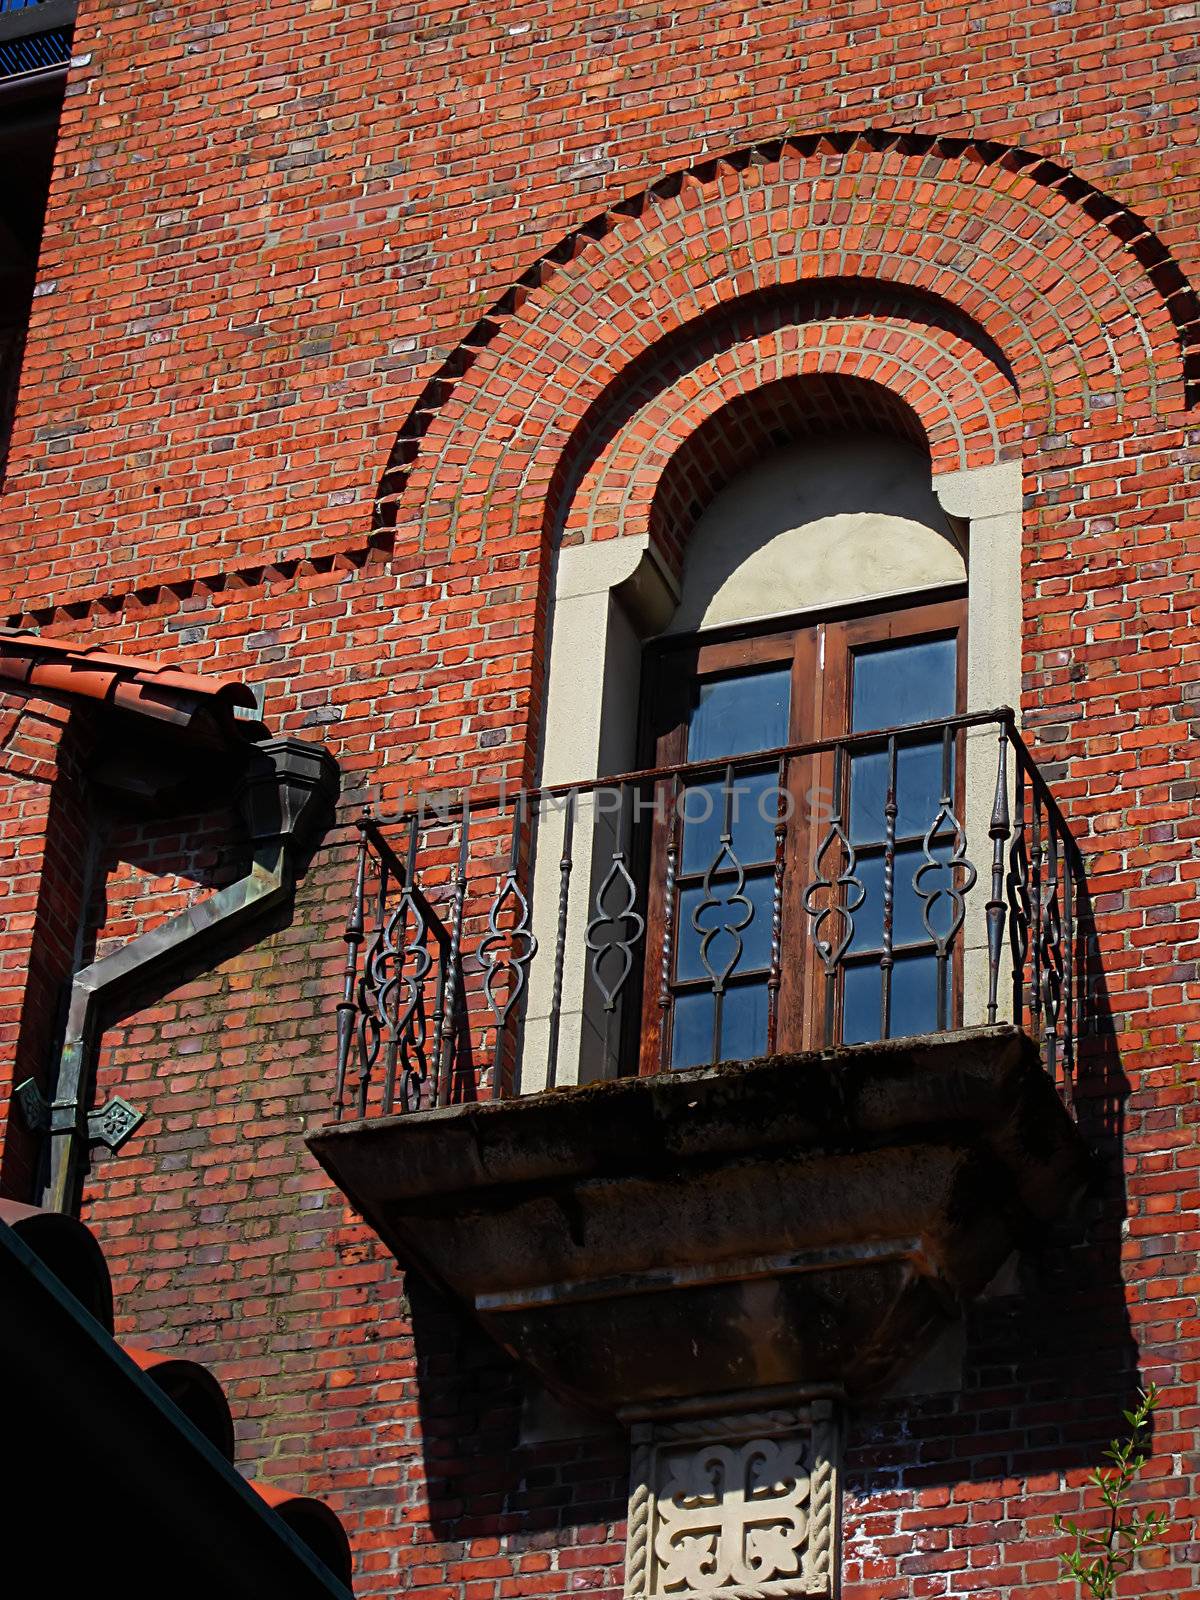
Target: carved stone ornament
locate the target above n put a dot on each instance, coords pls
(741, 1507)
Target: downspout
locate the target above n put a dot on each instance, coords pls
(286, 792)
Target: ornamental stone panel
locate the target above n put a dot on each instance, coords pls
(743, 1506)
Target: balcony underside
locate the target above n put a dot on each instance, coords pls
(793, 1221)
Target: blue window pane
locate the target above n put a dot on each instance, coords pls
(914, 995)
(918, 791)
(692, 1029)
(900, 683)
(861, 990)
(753, 809)
(743, 1025)
(908, 926)
(744, 1022)
(755, 936)
(737, 715)
(914, 999)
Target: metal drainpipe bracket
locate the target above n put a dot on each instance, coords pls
(33, 1106)
(110, 1124)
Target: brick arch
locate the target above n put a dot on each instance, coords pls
(847, 356)
(755, 422)
(1092, 314)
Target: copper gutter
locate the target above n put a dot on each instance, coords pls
(287, 787)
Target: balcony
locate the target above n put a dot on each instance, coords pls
(723, 1080)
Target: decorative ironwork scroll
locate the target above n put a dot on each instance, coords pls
(845, 890)
(508, 946)
(1050, 950)
(724, 881)
(956, 876)
(617, 925)
(840, 906)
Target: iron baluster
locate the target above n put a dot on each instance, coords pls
(1069, 1011)
(391, 950)
(371, 1021)
(565, 865)
(723, 863)
(954, 891)
(390, 953)
(346, 1009)
(1035, 923)
(846, 894)
(891, 809)
(1018, 896)
(666, 966)
(998, 830)
(774, 977)
(505, 954)
(413, 966)
(438, 1017)
(615, 916)
(1050, 943)
(443, 1088)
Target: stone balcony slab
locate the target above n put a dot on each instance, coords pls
(793, 1223)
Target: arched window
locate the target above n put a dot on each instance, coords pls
(820, 605)
(799, 623)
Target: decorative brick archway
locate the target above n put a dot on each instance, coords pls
(766, 372)
(1070, 292)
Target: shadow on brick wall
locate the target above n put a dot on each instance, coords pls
(1036, 1378)
(500, 1463)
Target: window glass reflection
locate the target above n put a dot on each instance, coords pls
(899, 683)
(736, 715)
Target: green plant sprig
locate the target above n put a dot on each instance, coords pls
(1101, 1557)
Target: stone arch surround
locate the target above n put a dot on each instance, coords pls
(1093, 316)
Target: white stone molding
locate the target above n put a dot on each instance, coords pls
(611, 595)
(989, 501)
(743, 1507)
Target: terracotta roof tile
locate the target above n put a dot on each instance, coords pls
(61, 670)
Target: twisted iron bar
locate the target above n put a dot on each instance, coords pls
(1050, 947)
(775, 975)
(347, 1010)
(1018, 899)
(565, 865)
(998, 830)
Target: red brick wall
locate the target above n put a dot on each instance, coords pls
(264, 429)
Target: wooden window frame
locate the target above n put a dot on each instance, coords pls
(821, 651)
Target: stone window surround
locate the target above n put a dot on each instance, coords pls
(611, 596)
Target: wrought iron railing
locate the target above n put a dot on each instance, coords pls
(34, 35)
(486, 930)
